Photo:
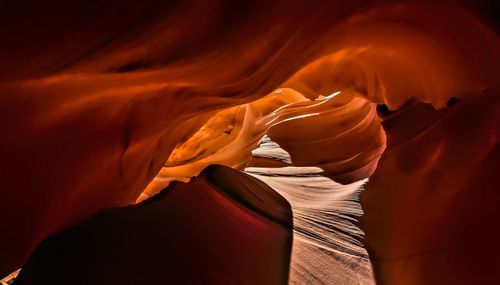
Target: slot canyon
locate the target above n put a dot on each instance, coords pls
(250, 142)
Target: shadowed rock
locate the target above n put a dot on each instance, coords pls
(222, 228)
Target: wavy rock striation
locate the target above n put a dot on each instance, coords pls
(99, 98)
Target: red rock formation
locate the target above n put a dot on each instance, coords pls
(95, 96)
(209, 231)
(434, 221)
(345, 154)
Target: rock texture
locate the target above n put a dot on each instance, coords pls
(327, 244)
(224, 227)
(101, 102)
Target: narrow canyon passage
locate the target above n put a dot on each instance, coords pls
(327, 244)
(126, 127)
(327, 247)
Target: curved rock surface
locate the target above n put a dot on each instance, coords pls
(327, 247)
(99, 98)
(224, 227)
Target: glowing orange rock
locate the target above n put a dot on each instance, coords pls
(95, 97)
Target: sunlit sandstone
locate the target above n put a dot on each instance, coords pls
(97, 100)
